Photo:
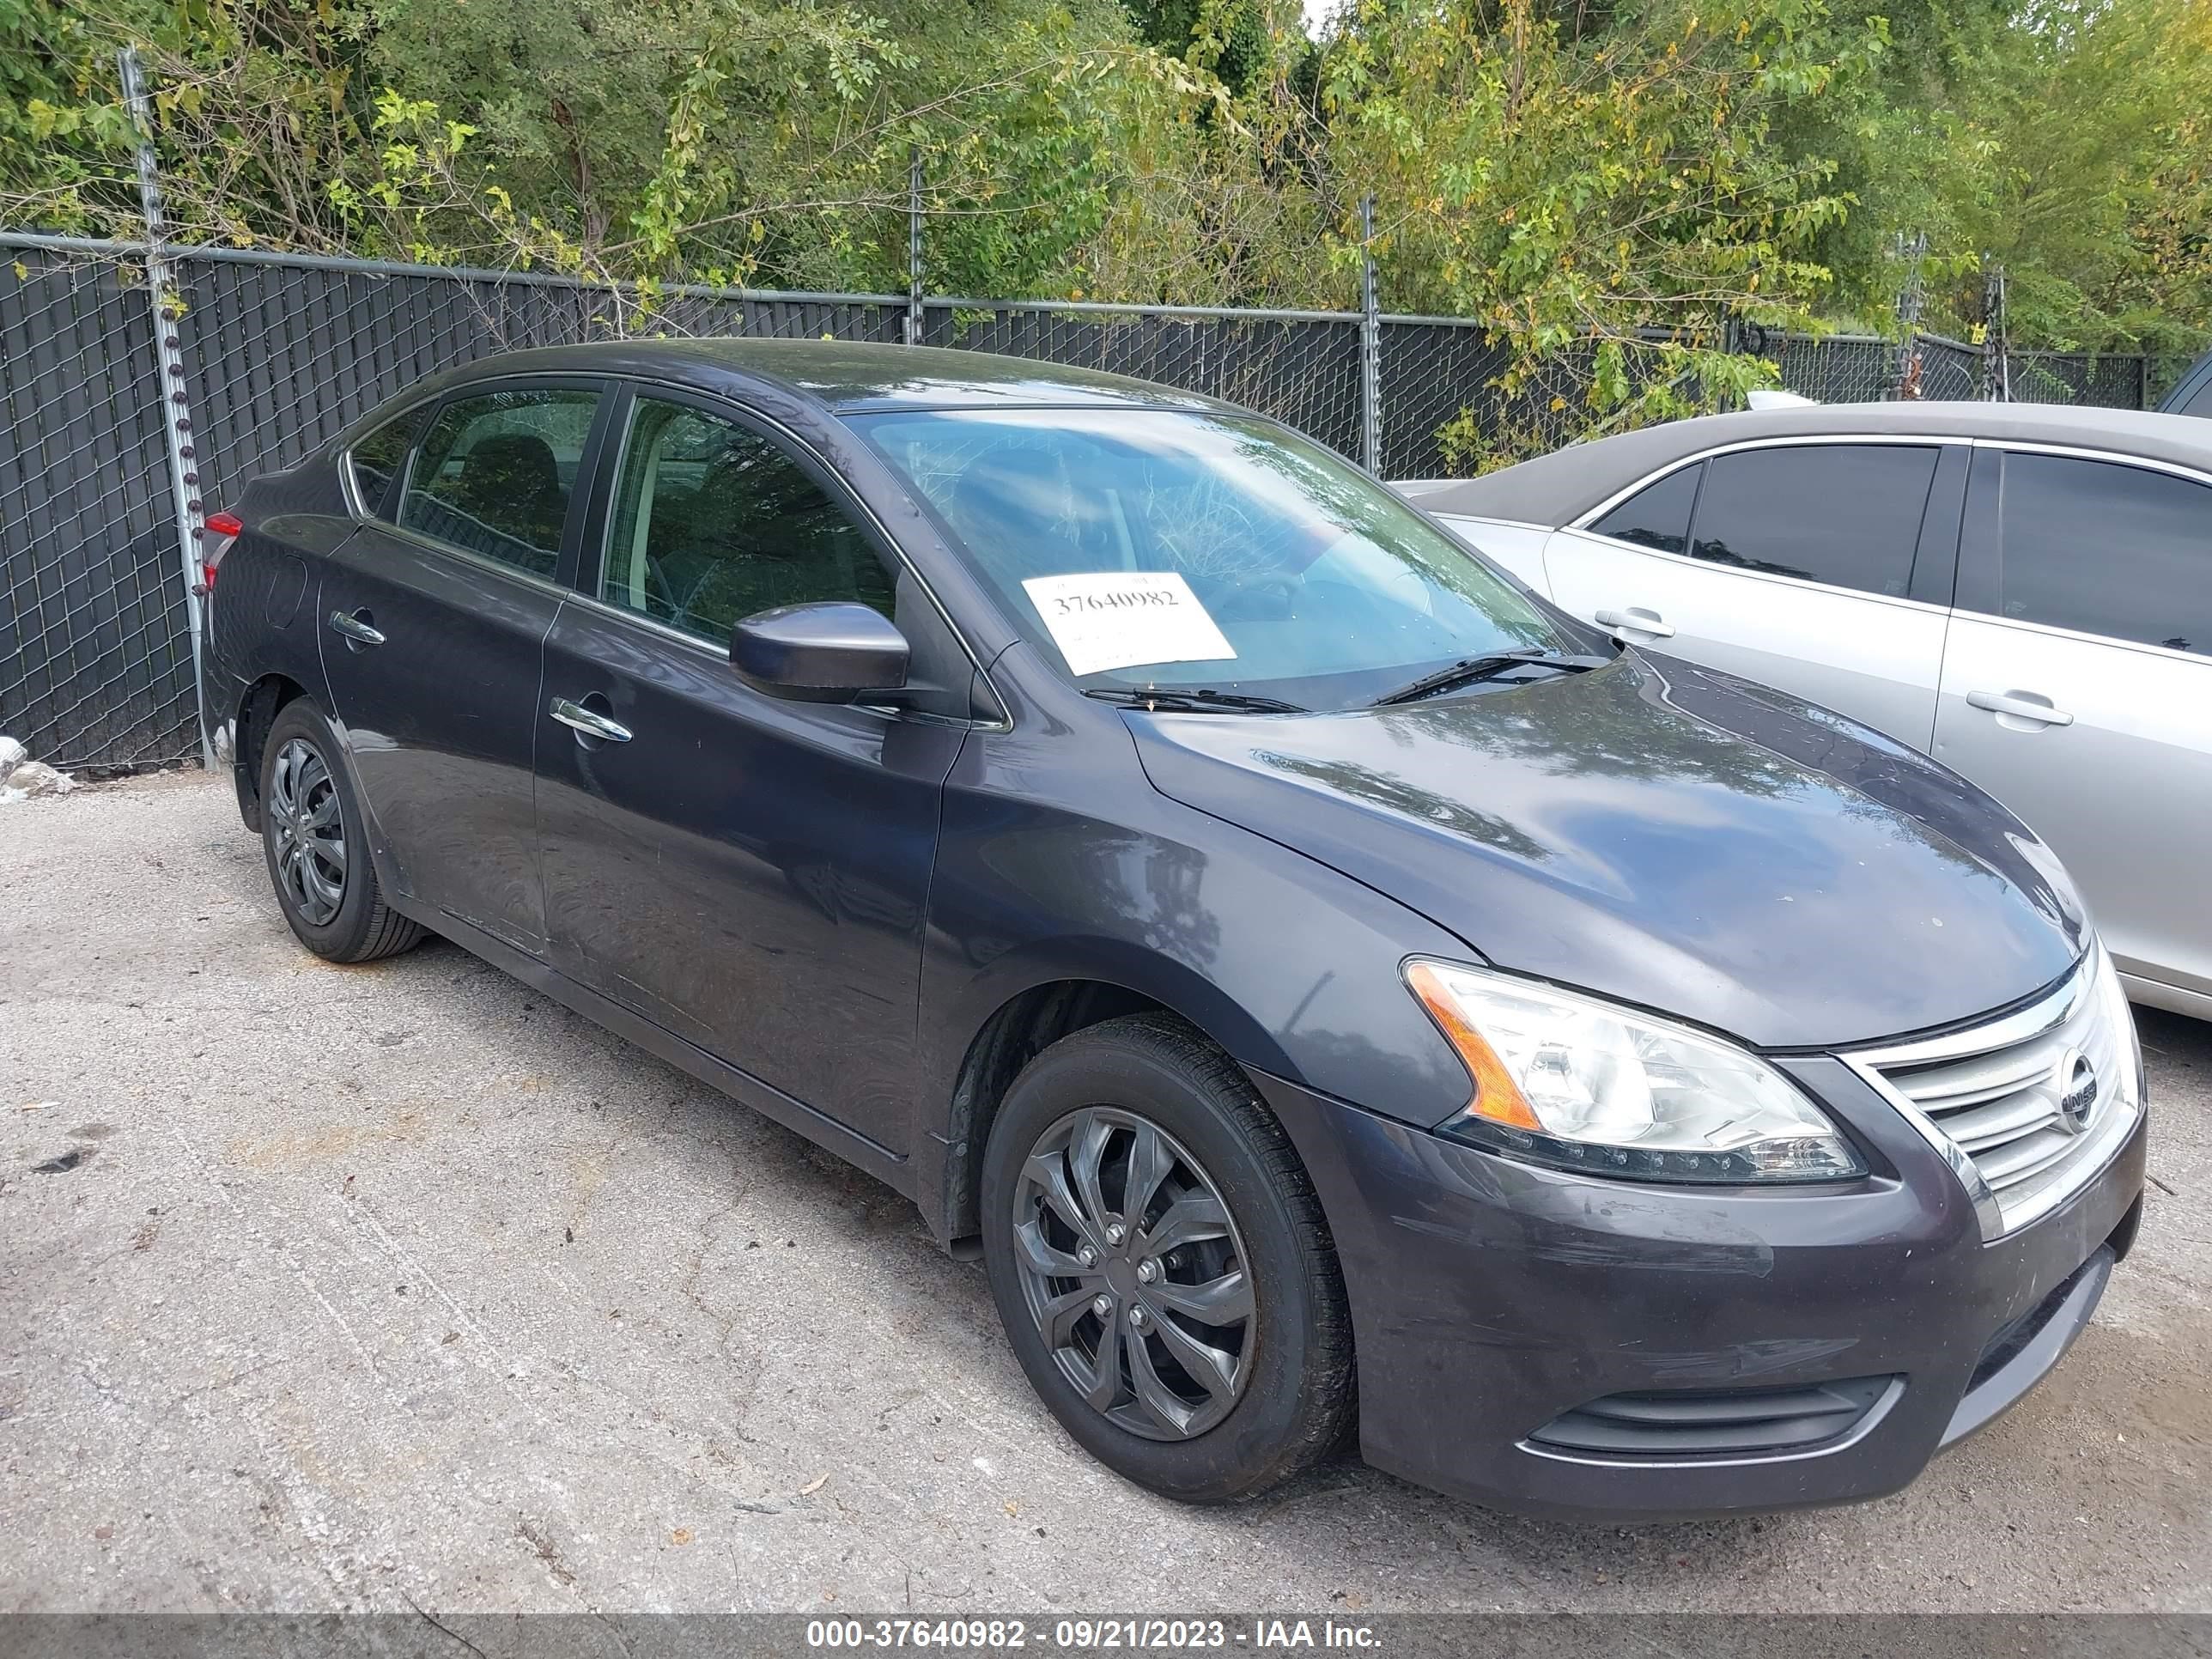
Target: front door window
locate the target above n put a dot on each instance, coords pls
(713, 523)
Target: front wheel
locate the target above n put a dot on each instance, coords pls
(318, 855)
(1161, 1264)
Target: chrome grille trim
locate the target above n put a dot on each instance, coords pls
(1987, 1098)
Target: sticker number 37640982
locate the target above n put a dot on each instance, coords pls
(1121, 618)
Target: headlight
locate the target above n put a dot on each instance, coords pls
(2127, 1043)
(1583, 1084)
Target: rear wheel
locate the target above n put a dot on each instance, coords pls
(319, 861)
(1161, 1264)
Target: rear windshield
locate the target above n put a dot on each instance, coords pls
(1180, 549)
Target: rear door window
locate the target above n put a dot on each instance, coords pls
(1657, 515)
(1844, 514)
(2102, 547)
(495, 473)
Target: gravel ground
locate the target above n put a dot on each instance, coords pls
(372, 1287)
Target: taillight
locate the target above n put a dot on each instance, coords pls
(219, 531)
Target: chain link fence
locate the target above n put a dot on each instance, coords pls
(1837, 368)
(2055, 377)
(279, 353)
(1945, 370)
(95, 653)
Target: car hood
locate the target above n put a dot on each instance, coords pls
(1664, 834)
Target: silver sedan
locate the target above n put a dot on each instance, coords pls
(2023, 592)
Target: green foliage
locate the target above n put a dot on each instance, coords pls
(63, 133)
(60, 122)
(2082, 161)
(770, 143)
(1237, 39)
(1605, 204)
(1606, 187)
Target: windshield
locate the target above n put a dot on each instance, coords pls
(1185, 551)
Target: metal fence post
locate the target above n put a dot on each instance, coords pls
(914, 317)
(1371, 344)
(1906, 383)
(1997, 347)
(176, 407)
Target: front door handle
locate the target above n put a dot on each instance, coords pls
(1637, 620)
(2021, 705)
(589, 721)
(356, 627)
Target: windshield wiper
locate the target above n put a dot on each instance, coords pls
(1471, 671)
(1183, 700)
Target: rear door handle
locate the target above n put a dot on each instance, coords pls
(1637, 620)
(2023, 705)
(589, 721)
(355, 628)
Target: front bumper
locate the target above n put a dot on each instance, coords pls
(1490, 1297)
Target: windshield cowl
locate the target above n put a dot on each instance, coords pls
(1205, 701)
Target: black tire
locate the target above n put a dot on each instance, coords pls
(359, 926)
(1294, 1359)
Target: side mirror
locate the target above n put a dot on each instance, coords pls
(829, 652)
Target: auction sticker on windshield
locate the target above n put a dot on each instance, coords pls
(1120, 618)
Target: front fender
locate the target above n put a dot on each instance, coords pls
(1292, 968)
(1128, 963)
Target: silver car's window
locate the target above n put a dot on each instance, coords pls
(1172, 550)
(1845, 514)
(494, 474)
(1657, 515)
(2106, 548)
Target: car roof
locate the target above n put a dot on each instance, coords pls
(1557, 489)
(846, 377)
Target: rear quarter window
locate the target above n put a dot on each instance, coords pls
(379, 457)
(1657, 515)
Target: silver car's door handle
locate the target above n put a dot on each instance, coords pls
(589, 721)
(355, 628)
(2021, 705)
(1636, 620)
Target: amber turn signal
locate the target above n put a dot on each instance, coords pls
(1497, 1096)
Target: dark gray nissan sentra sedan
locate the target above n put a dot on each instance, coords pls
(1310, 968)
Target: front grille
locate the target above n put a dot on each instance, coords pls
(1719, 1423)
(2033, 1104)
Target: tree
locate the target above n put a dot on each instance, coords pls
(646, 140)
(1606, 187)
(1606, 202)
(770, 143)
(2081, 160)
(58, 134)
